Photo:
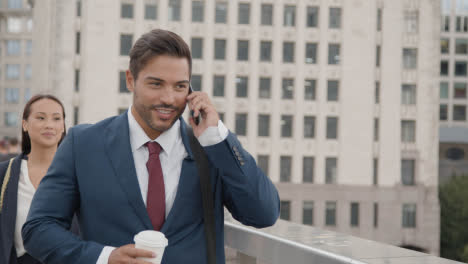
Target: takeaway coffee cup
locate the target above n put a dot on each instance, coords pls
(152, 241)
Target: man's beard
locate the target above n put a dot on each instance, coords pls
(145, 113)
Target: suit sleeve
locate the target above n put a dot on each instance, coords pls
(248, 193)
(46, 234)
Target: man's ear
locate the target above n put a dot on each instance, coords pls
(130, 80)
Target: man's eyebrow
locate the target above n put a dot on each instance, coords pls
(184, 81)
(150, 78)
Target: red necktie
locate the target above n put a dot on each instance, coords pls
(156, 199)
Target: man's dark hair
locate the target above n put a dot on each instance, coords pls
(154, 43)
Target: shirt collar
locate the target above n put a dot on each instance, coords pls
(138, 137)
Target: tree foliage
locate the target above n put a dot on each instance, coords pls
(453, 197)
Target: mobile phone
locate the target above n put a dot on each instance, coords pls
(195, 119)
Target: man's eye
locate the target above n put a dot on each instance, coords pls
(156, 84)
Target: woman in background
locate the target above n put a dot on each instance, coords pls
(43, 128)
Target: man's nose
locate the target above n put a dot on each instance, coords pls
(167, 96)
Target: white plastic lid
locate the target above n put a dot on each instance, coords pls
(151, 238)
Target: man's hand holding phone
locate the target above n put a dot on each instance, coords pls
(201, 105)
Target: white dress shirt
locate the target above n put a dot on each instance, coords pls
(26, 192)
(171, 157)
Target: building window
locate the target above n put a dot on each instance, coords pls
(218, 86)
(263, 163)
(332, 127)
(459, 90)
(12, 95)
(312, 16)
(151, 11)
(12, 71)
(221, 116)
(444, 46)
(287, 88)
(332, 91)
(410, 58)
(263, 125)
(308, 169)
(444, 68)
(331, 170)
(242, 87)
(266, 15)
(309, 126)
(411, 21)
(285, 168)
(335, 17)
(196, 82)
(221, 12)
(461, 46)
(14, 25)
(174, 10)
(76, 112)
(409, 216)
(78, 8)
(375, 170)
(379, 19)
(286, 126)
(198, 11)
(459, 113)
(11, 119)
(125, 44)
(377, 56)
(126, 10)
(443, 112)
(27, 94)
(13, 47)
(309, 90)
(285, 211)
(408, 131)
(377, 93)
(444, 90)
(376, 129)
(289, 16)
(241, 124)
(446, 24)
(265, 50)
(455, 154)
(78, 43)
(197, 48)
(220, 49)
(27, 72)
(333, 54)
(288, 51)
(461, 24)
(460, 68)
(376, 214)
(28, 47)
(123, 83)
(311, 53)
(77, 80)
(265, 88)
(330, 213)
(244, 14)
(354, 214)
(15, 4)
(242, 50)
(308, 213)
(408, 94)
(408, 171)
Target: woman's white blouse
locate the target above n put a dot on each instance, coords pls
(26, 192)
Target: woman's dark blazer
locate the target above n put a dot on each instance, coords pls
(8, 211)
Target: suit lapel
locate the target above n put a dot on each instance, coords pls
(8, 214)
(118, 148)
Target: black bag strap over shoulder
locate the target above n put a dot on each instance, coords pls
(207, 195)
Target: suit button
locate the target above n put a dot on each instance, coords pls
(242, 163)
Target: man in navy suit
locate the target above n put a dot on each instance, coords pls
(136, 172)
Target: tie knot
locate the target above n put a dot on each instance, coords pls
(153, 147)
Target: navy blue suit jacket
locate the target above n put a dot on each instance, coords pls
(93, 174)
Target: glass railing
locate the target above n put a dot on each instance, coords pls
(291, 243)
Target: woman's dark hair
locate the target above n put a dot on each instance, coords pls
(154, 43)
(25, 140)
